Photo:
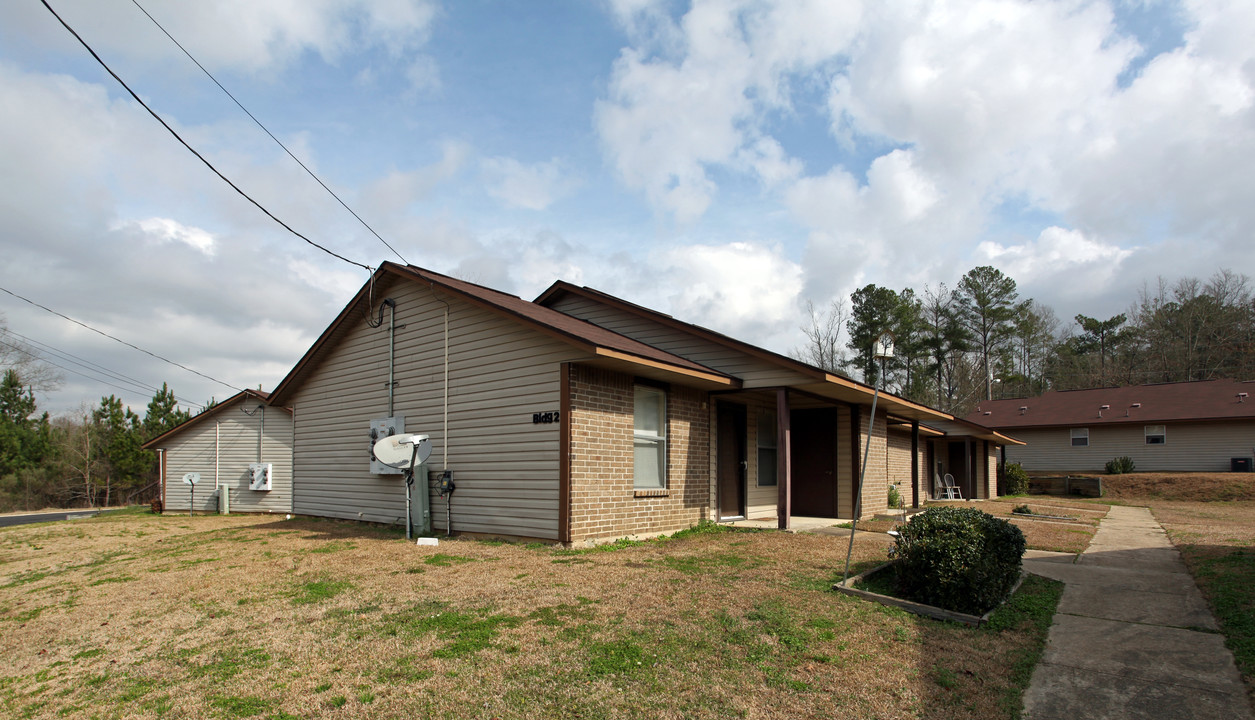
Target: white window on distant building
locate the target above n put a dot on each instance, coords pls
(1080, 437)
(649, 438)
(1156, 435)
(766, 449)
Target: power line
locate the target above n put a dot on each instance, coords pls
(191, 149)
(71, 370)
(267, 131)
(86, 364)
(119, 340)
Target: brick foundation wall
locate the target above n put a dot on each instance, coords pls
(604, 504)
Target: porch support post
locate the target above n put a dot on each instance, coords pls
(967, 466)
(915, 463)
(784, 460)
(855, 438)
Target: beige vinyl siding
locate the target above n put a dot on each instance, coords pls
(1196, 447)
(227, 441)
(500, 373)
(753, 372)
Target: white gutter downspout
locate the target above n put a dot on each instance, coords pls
(217, 438)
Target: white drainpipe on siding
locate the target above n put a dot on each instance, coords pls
(217, 438)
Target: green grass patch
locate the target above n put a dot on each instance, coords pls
(241, 707)
(402, 671)
(333, 546)
(94, 652)
(231, 662)
(337, 701)
(467, 633)
(113, 579)
(445, 560)
(318, 591)
(709, 564)
(617, 657)
(1031, 609)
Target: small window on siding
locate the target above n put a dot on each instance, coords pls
(649, 438)
(766, 449)
(1080, 437)
(1156, 435)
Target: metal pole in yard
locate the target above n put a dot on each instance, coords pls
(882, 349)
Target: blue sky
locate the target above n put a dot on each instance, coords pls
(724, 161)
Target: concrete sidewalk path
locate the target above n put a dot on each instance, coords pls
(1132, 637)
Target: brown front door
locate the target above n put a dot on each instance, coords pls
(731, 467)
(814, 462)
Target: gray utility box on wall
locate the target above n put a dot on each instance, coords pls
(379, 429)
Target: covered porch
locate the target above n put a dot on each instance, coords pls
(786, 456)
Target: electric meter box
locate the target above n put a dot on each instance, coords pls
(259, 475)
(379, 429)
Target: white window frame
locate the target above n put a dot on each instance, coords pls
(767, 441)
(644, 439)
(1080, 434)
(1162, 434)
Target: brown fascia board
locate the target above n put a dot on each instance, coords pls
(555, 291)
(205, 415)
(280, 393)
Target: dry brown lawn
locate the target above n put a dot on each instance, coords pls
(1040, 534)
(1206, 487)
(142, 616)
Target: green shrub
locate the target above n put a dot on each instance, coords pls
(958, 558)
(1015, 480)
(895, 497)
(1022, 510)
(1120, 465)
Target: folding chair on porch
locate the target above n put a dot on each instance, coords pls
(950, 490)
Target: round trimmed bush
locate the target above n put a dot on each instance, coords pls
(1015, 480)
(958, 558)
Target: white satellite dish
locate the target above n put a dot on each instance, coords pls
(191, 478)
(398, 450)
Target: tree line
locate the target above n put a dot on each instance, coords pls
(977, 340)
(89, 458)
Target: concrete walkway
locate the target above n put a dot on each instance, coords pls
(1132, 637)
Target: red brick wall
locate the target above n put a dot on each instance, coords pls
(604, 504)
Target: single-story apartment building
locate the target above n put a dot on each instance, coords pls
(581, 417)
(241, 446)
(1186, 426)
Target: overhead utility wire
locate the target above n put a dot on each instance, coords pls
(191, 149)
(88, 365)
(272, 135)
(134, 347)
(70, 370)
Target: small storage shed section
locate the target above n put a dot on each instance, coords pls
(241, 447)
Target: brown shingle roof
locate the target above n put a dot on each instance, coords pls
(584, 335)
(1169, 402)
(205, 415)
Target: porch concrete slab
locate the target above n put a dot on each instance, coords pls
(1168, 609)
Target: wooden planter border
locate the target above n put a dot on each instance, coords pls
(931, 611)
